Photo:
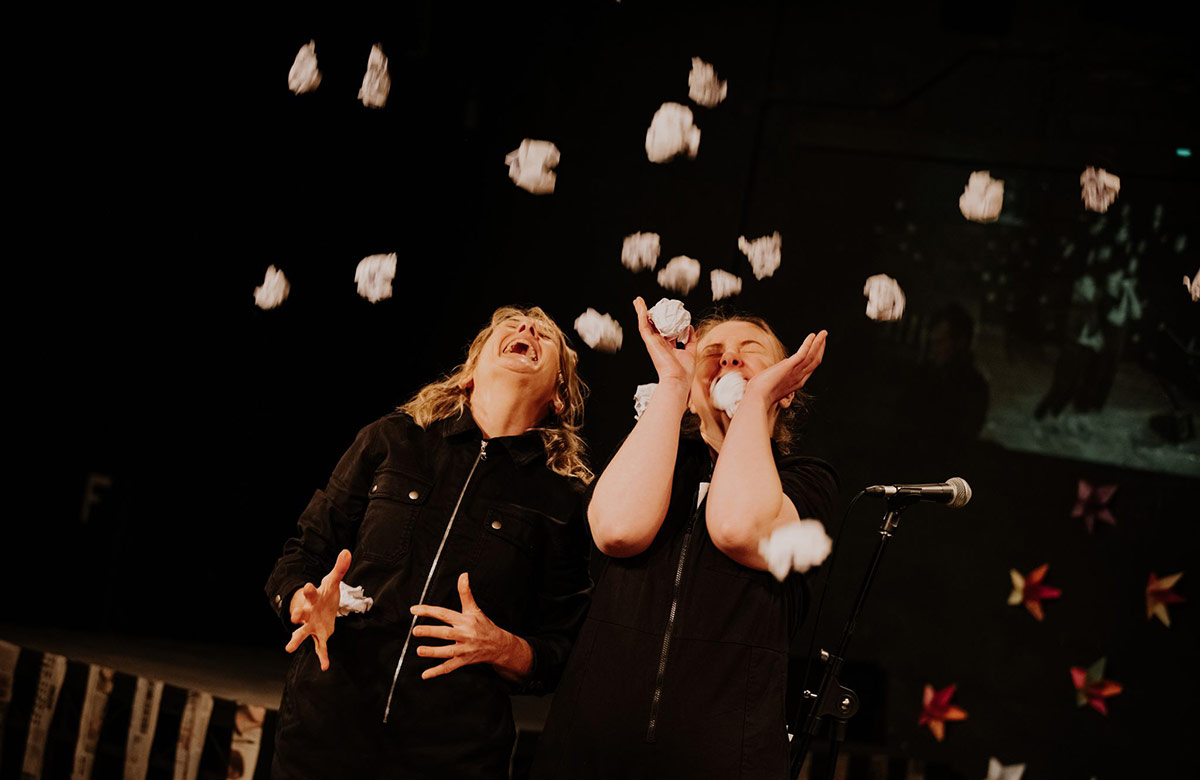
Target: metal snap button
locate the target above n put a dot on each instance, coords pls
(374, 487)
(496, 524)
(413, 495)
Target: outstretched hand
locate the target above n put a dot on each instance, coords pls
(476, 639)
(787, 376)
(315, 609)
(672, 364)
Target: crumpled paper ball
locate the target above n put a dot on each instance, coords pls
(1193, 286)
(671, 133)
(703, 87)
(670, 317)
(885, 299)
(377, 82)
(374, 276)
(304, 76)
(680, 275)
(1098, 189)
(640, 251)
(599, 331)
(274, 289)
(641, 399)
(727, 392)
(724, 284)
(797, 546)
(352, 600)
(764, 253)
(982, 199)
(529, 166)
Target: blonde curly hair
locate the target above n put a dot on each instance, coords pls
(448, 397)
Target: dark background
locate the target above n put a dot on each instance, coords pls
(187, 167)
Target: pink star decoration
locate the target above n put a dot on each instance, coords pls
(1159, 595)
(937, 709)
(1030, 590)
(1091, 687)
(1091, 503)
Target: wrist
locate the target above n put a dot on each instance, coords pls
(673, 389)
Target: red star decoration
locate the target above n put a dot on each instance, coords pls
(937, 709)
(1159, 595)
(1030, 590)
(1091, 687)
(1091, 503)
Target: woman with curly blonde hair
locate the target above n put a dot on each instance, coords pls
(460, 523)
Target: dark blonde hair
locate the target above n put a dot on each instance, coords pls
(787, 417)
(447, 397)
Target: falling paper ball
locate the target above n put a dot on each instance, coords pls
(671, 133)
(1193, 286)
(640, 251)
(724, 284)
(885, 299)
(274, 289)
(703, 87)
(599, 331)
(374, 276)
(764, 253)
(529, 166)
(680, 275)
(304, 76)
(1098, 189)
(670, 318)
(377, 83)
(641, 399)
(727, 392)
(982, 199)
(797, 546)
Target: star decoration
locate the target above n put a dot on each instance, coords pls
(1091, 503)
(1031, 591)
(1159, 595)
(998, 771)
(937, 709)
(1091, 687)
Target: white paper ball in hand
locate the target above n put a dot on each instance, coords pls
(599, 331)
(797, 546)
(670, 317)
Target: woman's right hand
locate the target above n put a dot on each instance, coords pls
(674, 366)
(315, 610)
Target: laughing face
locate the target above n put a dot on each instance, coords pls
(524, 347)
(733, 346)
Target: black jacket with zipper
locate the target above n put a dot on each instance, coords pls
(416, 508)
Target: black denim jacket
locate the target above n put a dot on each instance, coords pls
(398, 495)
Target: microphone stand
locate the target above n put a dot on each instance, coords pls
(831, 697)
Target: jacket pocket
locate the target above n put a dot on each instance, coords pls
(515, 525)
(393, 505)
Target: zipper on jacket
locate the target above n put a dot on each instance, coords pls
(429, 577)
(662, 660)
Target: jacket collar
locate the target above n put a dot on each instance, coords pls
(523, 448)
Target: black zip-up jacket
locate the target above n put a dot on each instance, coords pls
(398, 496)
(681, 667)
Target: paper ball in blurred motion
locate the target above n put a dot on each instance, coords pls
(1099, 189)
(724, 284)
(529, 166)
(374, 276)
(680, 275)
(797, 546)
(670, 317)
(1193, 286)
(640, 251)
(764, 253)
(304, 76)
(599, 331)
(885, 299)
(726, 393)
(273, 291)
(703, 87)
(641, 399)
(982, 199)
(377, 83)
(672, 132)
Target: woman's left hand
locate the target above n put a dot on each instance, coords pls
(476, 639)
(790, 374)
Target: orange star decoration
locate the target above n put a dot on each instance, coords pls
(1031, 591)
(1159, 595)
(937, 710)
(1091, 687)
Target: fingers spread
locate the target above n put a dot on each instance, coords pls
(322, 654)
(341, 566)
(437, 613)
(298, 637)
(437, 651)
(437, 632)
(440, 669)
(464, 592)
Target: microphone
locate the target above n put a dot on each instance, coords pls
(954, 492)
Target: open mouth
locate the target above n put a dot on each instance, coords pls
(520, 346)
